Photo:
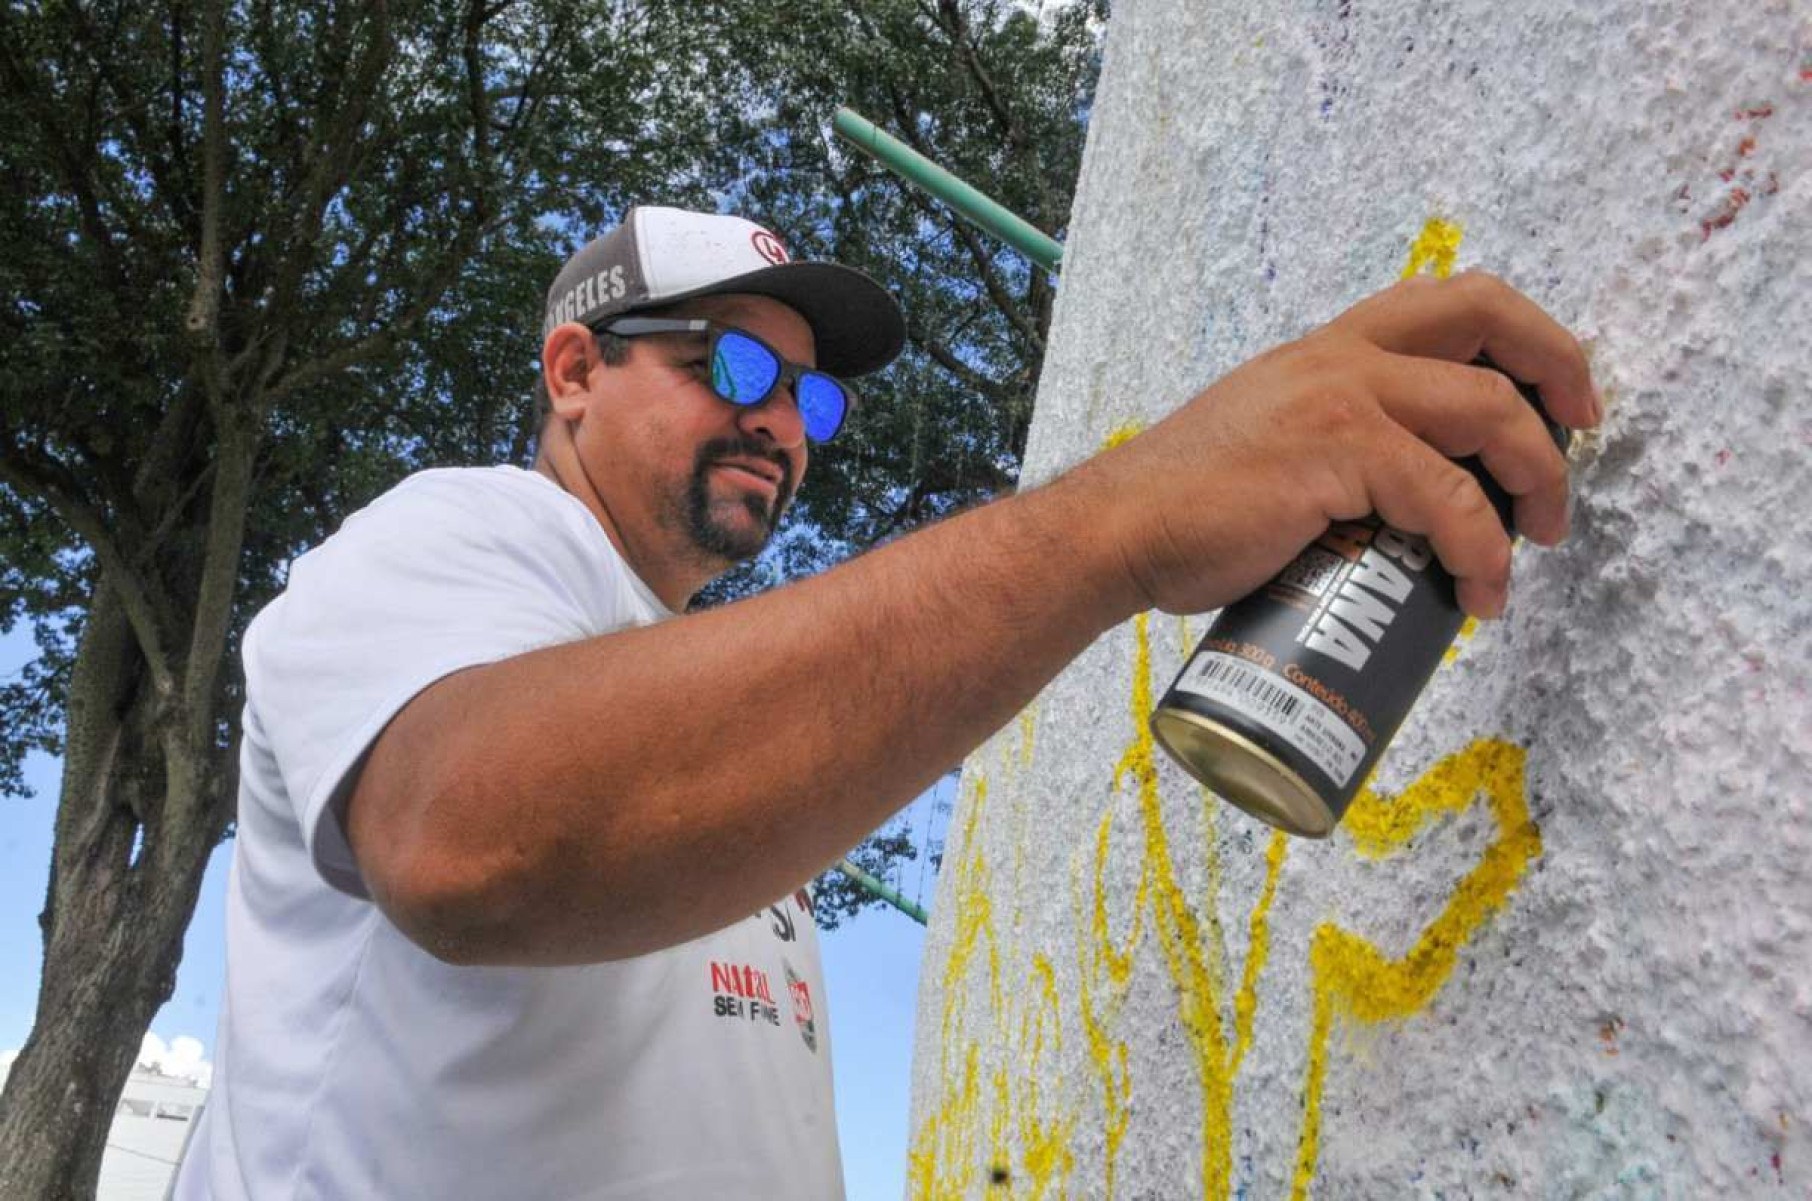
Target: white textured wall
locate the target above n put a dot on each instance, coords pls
(1566, 947)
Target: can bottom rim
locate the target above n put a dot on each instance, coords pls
(1242, 772)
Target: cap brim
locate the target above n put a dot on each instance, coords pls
(857, 326)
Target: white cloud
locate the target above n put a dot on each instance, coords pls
(182, 1057)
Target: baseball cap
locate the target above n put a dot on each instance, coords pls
(660, 255)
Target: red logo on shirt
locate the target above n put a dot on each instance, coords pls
(802, 1007)
(742, 992)
(741, 980)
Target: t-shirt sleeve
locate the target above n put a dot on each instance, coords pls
(447, 571)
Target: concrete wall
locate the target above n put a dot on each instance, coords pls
(1564, 948)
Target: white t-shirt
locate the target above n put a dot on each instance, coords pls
(350, 1063)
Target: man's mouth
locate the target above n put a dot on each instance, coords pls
(768, 475)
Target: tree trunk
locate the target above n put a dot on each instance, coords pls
(131, 845)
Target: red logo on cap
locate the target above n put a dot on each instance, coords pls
(769, 247)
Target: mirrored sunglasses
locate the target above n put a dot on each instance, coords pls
(745, 371)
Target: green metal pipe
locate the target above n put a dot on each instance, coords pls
(891, 896)
(971, 204)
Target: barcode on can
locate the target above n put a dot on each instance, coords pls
(1279, 707)
(1255, 686)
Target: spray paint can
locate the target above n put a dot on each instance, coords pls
(1289, 701)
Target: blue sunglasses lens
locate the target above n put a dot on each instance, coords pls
(822, 403)
(743, 371)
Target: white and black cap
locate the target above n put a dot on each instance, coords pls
(660, 255)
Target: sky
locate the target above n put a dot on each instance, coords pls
(871, 967)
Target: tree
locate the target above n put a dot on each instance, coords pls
(236, 239)
(263, 258)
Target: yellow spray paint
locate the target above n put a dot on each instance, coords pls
(1245, 1006)
(1045, 1142)
(1352, 978)
(1468, 628)
(1197, 977)
(1435, 248)
(1193, 948)
(941, 1161)
(1122, 433)
(1105, 973)
(980, 1118)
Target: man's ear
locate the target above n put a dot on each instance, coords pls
(568, 355)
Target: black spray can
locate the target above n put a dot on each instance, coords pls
(1290, 699)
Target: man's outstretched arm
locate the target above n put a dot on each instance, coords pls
(607, 798)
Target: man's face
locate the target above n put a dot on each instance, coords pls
(684, 473)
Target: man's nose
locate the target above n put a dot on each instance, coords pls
(776, 418)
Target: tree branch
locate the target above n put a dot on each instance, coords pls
(134, 590)
(231, 502)
(477, 97)
(1017, 138)
(333, 156)
(970, 377)
(996, 288)
(384, 340)
(956, 26)
(130, 108)
(203, 319)
(75, 168)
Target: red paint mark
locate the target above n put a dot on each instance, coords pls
(1775, 1159)
(1723, 456)
(1742, 175)
(1805, 74)
(1727, 212)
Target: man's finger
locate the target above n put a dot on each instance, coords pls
(1415, 489)
(1457, 319)
(1462, 411)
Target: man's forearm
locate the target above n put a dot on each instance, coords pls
(610, 797)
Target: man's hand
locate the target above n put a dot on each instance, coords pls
(1363, 415)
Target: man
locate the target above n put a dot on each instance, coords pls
(505, 817)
